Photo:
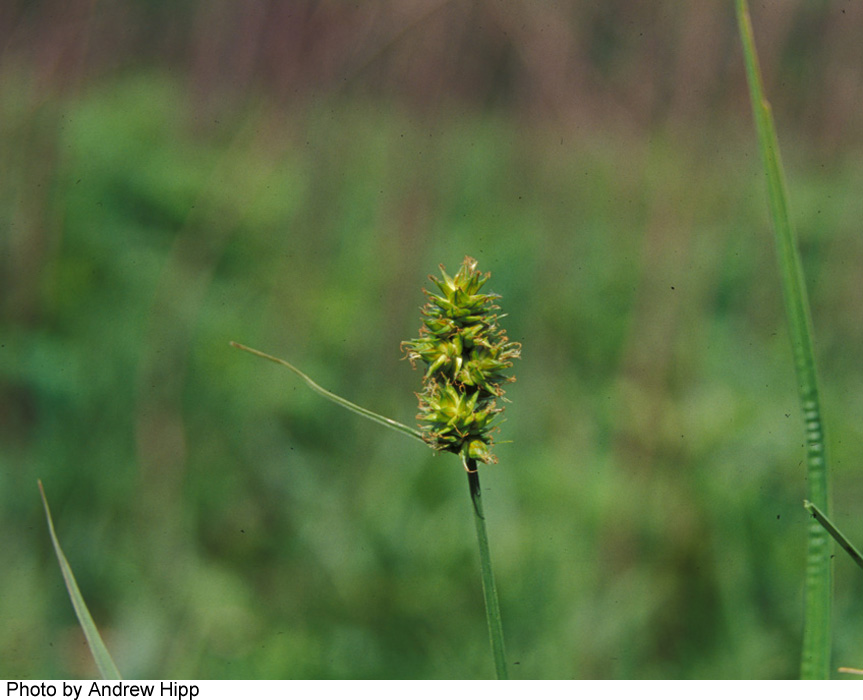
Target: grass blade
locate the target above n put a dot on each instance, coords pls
(104, 662)
(835, 533)
(492, 606)
(317, 388)
(815, 663)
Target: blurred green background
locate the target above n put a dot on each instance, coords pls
(176, 175)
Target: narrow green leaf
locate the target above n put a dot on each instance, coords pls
(834, 532)
(317, 388)
(815, 662)
(104, 662)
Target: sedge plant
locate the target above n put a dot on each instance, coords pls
(816, 651)
(466, 355)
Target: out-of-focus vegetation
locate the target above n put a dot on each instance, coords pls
(177, 175)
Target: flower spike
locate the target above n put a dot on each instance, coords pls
(466, 354)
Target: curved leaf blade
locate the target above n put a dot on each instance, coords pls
(104, 662)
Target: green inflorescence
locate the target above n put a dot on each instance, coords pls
(467, 354)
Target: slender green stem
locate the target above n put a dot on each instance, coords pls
(815, 662)
(835, 533)
(335, 398)
(492, 607)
